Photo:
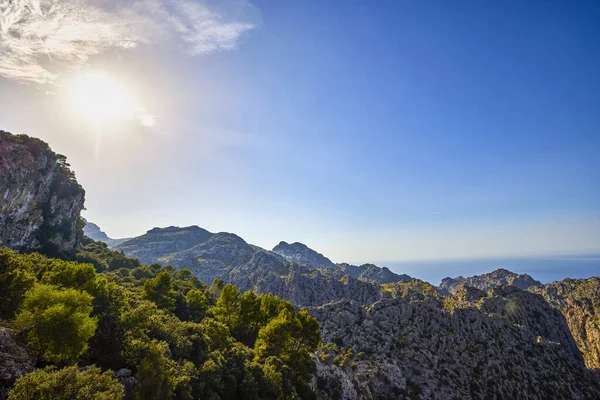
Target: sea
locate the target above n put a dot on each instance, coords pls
(545, 269)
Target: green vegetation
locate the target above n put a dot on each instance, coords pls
(180, 338)
(67, 384)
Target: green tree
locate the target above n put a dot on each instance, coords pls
(217, 334)
(216, 287)
(15, 281)
(249, 320)
(108, 342)
(155, 376)
(289, 339)
(160, 290)
(197, 304)
(67, 384)
(57, 322)
(228, 306)
(70, 274)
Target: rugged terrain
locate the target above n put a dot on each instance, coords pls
(228, 257)
(302, 254)
(579, 302)
(40, 199)
(507, 343)
(499, 277)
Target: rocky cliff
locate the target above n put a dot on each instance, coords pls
(497, 278)
(507, 343)
(579, 302)
(40, 200)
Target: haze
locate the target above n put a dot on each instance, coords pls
(367, 130)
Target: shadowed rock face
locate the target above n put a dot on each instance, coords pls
(40, 200)
(507, 343)
(15, 361)
(485, 282)
(579, 302)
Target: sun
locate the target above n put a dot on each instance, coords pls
(100, 99)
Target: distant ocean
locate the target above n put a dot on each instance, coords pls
(544, 269)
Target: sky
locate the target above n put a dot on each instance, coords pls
(388, 130)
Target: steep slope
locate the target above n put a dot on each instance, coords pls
(40, 200)
(579, 302)
(93, 231)
(505, 344)
(302, 254)
(485, 282)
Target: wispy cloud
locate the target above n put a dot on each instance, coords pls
(37, 36)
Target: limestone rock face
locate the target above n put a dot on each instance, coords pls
(485, 282)
(15, 361)
(579, 302)
(505, 344)
(40, 200)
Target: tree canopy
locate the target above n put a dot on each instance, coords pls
(180, 338)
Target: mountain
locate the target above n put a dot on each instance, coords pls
(504, 344)
(579, 302)
(93, 231)
(40, 200)
(302, 254)
(228, 257)
(497, 278)
(373, 273)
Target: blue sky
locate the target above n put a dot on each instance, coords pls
(367, 130)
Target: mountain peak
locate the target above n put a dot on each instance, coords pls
(485, 282)
(302, 254)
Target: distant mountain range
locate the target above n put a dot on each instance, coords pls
(294, 272)
(93, 231)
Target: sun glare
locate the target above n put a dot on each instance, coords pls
(100, 99)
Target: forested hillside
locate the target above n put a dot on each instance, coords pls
(114, 327)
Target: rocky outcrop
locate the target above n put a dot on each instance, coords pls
(372, 273)
(508, 343)
(485, 282)
(302, 254)
(93, 231)
(579, 302)
(40, 200)
(15, 361)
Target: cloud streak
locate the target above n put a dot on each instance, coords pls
(37, 37)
